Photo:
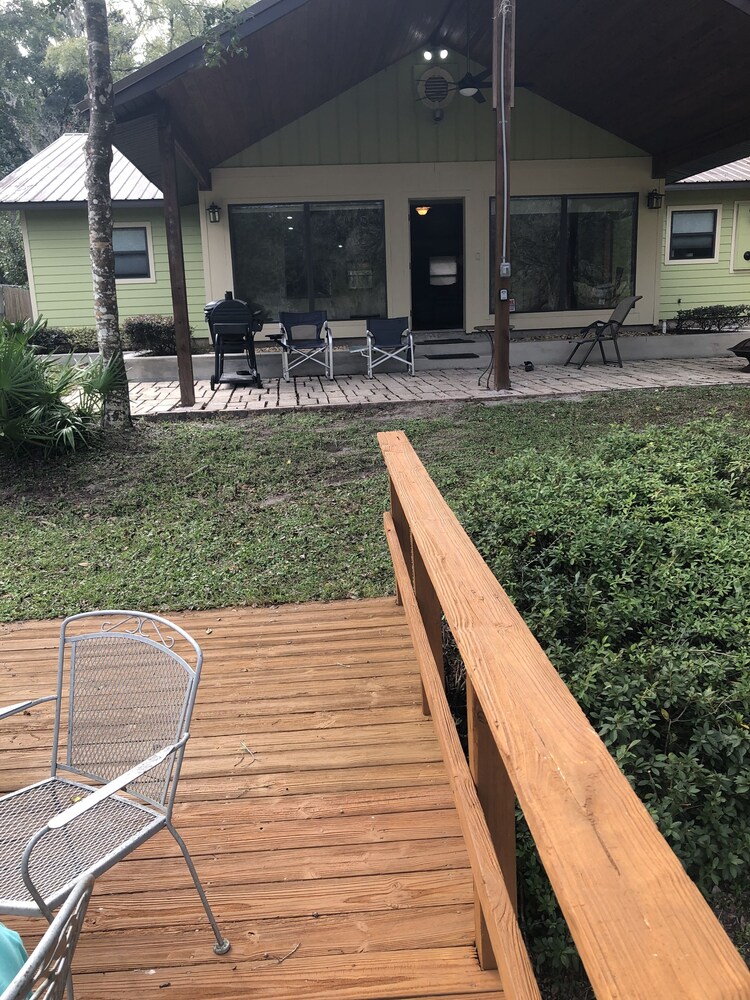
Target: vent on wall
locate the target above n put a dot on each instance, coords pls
(436, 87)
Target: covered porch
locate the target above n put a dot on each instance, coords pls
(189, 127)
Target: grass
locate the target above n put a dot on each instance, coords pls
(271, 508)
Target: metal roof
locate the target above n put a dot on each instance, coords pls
(57, 176)
(730, 173)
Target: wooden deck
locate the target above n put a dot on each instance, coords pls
(317, 808)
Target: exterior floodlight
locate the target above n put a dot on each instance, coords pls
(443, 53)
(427, 55)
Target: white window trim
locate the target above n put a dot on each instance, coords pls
(738, 205)
(717, 235)
(150, 250)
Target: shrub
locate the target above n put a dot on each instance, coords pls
(631, 567)
(712, 319)
(44, 405)
(154, 334)
(75, 340)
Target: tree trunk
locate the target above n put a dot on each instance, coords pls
(98, 162)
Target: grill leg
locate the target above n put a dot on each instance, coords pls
(222, 946)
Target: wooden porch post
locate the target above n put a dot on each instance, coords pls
(503, 58)
(173, 227)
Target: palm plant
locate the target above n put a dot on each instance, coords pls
(44, 405)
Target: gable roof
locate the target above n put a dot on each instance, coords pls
(731, 173)
(57, 177)
(661, 74)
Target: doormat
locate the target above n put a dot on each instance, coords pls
(448, 357)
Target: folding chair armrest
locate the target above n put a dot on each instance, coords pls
(328, 334)
(21, 706)
(79, 808)
(593, 326)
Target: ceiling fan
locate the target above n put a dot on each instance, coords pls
(472, 84)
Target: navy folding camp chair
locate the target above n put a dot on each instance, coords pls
(305, 337)
(389, 339)
(598, 332)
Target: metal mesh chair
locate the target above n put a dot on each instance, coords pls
(46, 974)
(598, 332)
(389, 340)
(297, 346)
(125, 694)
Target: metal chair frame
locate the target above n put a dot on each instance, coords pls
(46, 973)
(110, 721)
(603, 331)
(389, 348)
(308, 349)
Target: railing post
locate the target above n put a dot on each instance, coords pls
(431, 614)
(498, 801)
(403, 531)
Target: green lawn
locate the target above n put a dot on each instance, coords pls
(269, 508)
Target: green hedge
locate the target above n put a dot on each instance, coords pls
(632, 568)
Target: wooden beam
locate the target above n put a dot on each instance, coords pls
(503, 62)
(194, 163)
(173, 226)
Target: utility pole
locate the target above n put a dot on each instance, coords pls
(504, 71)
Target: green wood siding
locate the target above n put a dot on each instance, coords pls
(688, 285)
(381, 121)
(58, 245)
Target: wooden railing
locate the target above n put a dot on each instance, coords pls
(642, 928)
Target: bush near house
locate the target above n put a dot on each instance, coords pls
(151, 333)
(631, 568)
(712, 319)
(72, 340)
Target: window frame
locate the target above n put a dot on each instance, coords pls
(309, 267)
(146, 226)
(668, 259)
(563, 200)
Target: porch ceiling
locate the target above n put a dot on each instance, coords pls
(665, 75)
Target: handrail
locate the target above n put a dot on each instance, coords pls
(642, 928)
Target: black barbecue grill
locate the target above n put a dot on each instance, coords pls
(742, 350)
(233, 326)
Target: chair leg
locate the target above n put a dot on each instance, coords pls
(617, 351)
(586, 355)
(222, 946)
(285, 365)
(601, 351)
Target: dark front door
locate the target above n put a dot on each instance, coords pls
(437, 265)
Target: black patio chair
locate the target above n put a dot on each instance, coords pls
(600, 331)
(389, 339)
(233, 326)
(297, 345)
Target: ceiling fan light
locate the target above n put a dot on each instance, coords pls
(468, 90)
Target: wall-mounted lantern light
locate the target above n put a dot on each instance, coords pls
(422, 209)
(214, 212)
(655, 199)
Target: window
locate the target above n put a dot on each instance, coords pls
(569, 252)
(692, 234)
(132, 257)
(303, 257)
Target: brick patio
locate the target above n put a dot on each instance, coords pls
(160, 399)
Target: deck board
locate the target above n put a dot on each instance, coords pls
(332, 853)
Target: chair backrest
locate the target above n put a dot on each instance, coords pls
(131, 684)
(45, 975)
(312, 319)
(388, 332)
(233, 311)
(622, 309)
